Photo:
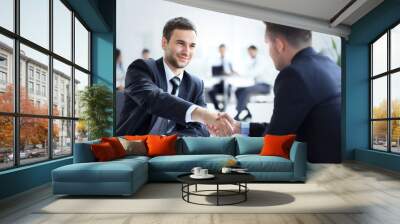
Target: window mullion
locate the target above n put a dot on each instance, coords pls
(50, 81)
(73, 82)
(371, 144)
(16, 83)
(389, 106)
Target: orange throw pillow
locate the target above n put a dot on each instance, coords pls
(277, 145)
(103, 152)
(161, 145)
(116, 145)
(136, 137)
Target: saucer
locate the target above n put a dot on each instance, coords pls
(240, 171)
(208, 176)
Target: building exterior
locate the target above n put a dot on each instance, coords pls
(35, 80)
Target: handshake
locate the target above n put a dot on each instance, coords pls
(218, 124)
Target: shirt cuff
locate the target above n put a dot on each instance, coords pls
(188, 116)
(245, 128)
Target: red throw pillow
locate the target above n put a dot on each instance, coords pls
(103, 152)
(277, 145)
(116, 145)
(161, 145)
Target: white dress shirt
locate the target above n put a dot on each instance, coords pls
(225, 62)
(120, 79)
(256, 70)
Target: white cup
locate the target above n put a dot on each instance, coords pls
(203, 172)
(226, 170)
(196, 171)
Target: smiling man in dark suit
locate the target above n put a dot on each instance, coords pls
(307, 95)
(162, 98)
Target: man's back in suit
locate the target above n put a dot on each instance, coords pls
(308, 103)
(146, 98)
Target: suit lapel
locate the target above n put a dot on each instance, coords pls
(163, 78)
(162, 84)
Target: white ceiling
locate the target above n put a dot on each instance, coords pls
(321, 9)
(316, 15)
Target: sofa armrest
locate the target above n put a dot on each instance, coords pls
(298, 155)
(83, 152)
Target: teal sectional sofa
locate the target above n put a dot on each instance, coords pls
(125, 176)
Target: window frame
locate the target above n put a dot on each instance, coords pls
(16, 115)
(3, 69)
(388, 74)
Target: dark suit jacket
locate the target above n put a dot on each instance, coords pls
(308, 103)
(146, 98)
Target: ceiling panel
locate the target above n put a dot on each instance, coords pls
(314, 15)
(320, 9)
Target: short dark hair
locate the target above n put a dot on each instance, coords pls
(145, 50)
(295, 36)
(221, 46)
(252, 47)
(117, 53)
(180, 23)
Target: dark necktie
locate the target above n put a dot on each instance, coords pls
(163, 126)
(175, 81)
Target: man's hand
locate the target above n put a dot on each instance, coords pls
(219, 125)
(233, 123)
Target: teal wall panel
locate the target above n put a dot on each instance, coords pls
(103, 58)
(91, 14)
(103, 65)
(356, 99)
(24, 178)
(356, 93)
(376, 158)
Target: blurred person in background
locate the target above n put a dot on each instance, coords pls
(145, 54)
(119, 69)
(254, 70)
(227, 69)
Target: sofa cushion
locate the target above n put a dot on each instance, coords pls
(83, 152)
(134, 147)
(103, 152)
(132, 158)
(116, 145)
(112, 171)
(248, 145)
(185, 163)
(160, 145)
(277, 145)
(207, 145)
(136, 137)
(257, 163)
